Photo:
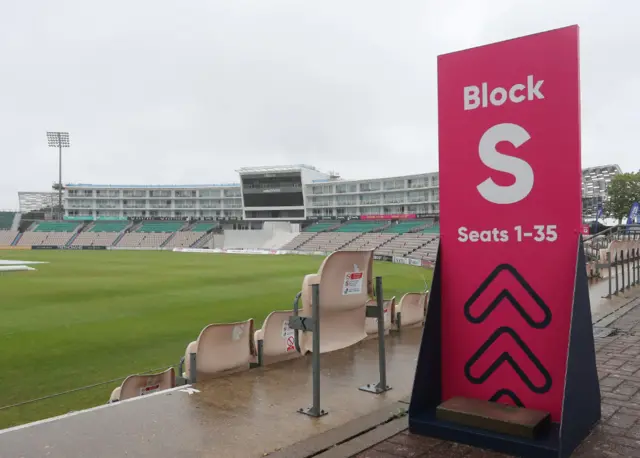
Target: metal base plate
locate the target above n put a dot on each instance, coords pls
(374, 388)
(313, 412)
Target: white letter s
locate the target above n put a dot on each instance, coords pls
(517, 167)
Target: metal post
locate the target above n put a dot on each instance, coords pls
(58, 140)
(622, 269)
(60, 176)
(616, 264)
(609, 267)
(633, 265)
(628, 270)
(381, 386)
(315, 410)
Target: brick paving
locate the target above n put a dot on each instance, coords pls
(617, 434)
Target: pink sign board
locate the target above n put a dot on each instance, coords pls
(511, 217)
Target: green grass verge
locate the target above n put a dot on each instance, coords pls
(89, 317)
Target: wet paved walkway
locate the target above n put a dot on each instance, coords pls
(617, 435)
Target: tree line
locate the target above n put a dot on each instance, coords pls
(623, 191)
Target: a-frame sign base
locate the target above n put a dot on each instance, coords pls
(581, 401)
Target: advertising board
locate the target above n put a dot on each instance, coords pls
(401, 216)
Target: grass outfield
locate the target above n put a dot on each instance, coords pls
(88, 317)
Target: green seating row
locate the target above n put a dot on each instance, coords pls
(160, 226)
(6, 220)
(403, 227)
(435, 229)
(319, 227)
(109, 226)
(55, 226)
(203, 227)
(360, 226)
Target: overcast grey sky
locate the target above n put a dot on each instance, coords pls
(168, 92)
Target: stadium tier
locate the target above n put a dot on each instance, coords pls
(360, 226)
(160, 226)
(416, 238)
(56, 226)
(403, 227)
(434, 229)
(109, 226)
(321, 227)
(6, 220)
(7, 237)
(279, 193)
(293, 193)
(203, 227)
(396, 240)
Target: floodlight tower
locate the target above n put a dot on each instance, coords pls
(59, 140)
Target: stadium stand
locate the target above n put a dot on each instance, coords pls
(404, 245)
(370, 241)
(140, 385)
(361, 226)
(56, 226)
(6, 220)
(144, 239)
(184, 239)
(100, 233)
(150, 234)
(206, 241)
(49, 233)
(7, 237)
(329, 241)
(221, 349)
(203, 227)
(160, 226)
(298, 241)
(429, 250)
(95, 239)
(272, 340)
(402, 227)
(416, 238)
(322, 226)
(342, 315)
(108, 226)
(435, 229)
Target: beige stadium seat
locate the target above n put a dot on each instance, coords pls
(371, 324)
(140, 385)
(343, 298)
(411, 310)
(221, 349)
(275, 340)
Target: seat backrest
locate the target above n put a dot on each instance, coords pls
(345, 279)
(223, 348)
(140, 385)
(412, 308)
(371, 324)
(277, 338)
